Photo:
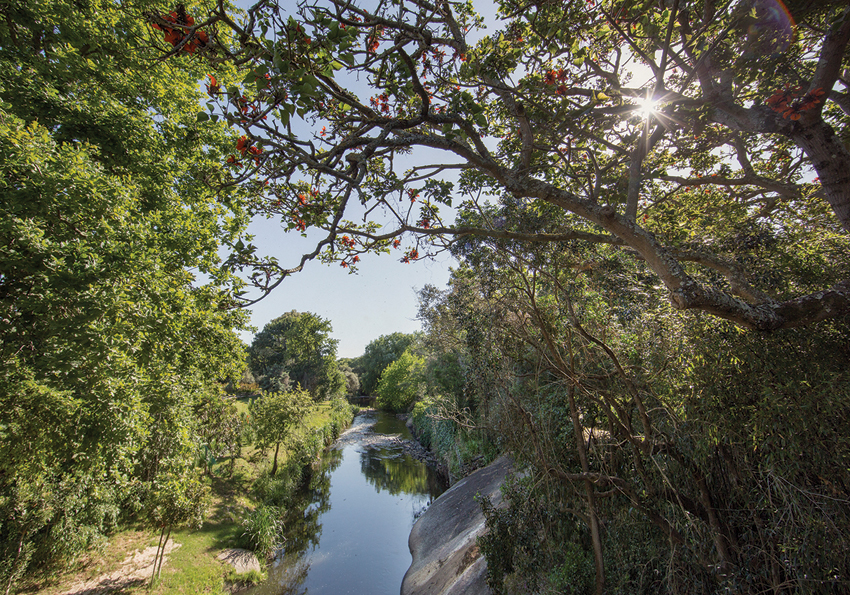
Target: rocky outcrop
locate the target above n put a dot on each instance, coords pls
(242, 560)
(446, 559)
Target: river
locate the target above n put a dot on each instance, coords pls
(348, 532)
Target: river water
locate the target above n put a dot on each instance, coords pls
(348, 532)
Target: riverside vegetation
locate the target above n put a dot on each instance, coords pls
(649, 311)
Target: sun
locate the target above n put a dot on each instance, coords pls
(647, 107)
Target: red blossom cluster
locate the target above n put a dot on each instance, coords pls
(396, 243)
(412, 195)
(554, 76)
(245, 148)
(213, 88)
(381, 102)
(346, 242)
(182, 28)
(424, 223)
(412, 254)
(249, 108)
(354, 260)
(374, 39)
(791, 105)
(300, 224)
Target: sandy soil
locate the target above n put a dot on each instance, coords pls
(135, 570)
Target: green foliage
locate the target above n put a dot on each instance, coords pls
(276, 416)
(114, 309)
(379, 354)
(511, 543)
(178, 500)
(401, 383)
(262, 530)
(219, 429)
(246, 579)
(575, 574)
(296, 349)
(438, 427)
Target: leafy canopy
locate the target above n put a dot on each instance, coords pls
(683, 135)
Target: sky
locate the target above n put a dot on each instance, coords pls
(380, 299)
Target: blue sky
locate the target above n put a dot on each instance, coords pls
(378, 300)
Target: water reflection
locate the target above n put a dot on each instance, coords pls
(396, 472)
(347, 533)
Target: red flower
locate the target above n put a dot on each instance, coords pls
(355, 259)
(396, 243)
(213, 88)
(173, 37)
(242, 144)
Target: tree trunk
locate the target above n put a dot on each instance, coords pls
(832, 162)
(162, 553)
(596, 538)
(159, 548)
(274, 465)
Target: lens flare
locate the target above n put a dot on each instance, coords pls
(771, 30)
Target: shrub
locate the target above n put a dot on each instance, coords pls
(401, 383)
(261, 530)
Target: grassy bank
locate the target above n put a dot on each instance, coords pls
(193, 567)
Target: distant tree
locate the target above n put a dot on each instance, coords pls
(401, 383)
(352, 380)
(296, 348)
(275, 416)
(379, 354)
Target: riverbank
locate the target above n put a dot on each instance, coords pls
(191, 566)
(362, 500)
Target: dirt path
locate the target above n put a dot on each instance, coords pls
(134, 571)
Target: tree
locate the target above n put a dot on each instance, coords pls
(352, 380)
(275, 417)
(698, 172)
(379, 354)
(401, 383)
(296, 348)
(648, 434)
(219, 429)
(174, 501)
(114, 309)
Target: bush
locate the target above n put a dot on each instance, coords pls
(262, 528)
(401, 383)
(278, 489)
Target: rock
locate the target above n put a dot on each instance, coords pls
(241, 560)
(446, 559)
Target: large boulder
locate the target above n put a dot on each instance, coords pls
(446, 559)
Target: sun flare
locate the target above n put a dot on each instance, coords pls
(647, 107)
